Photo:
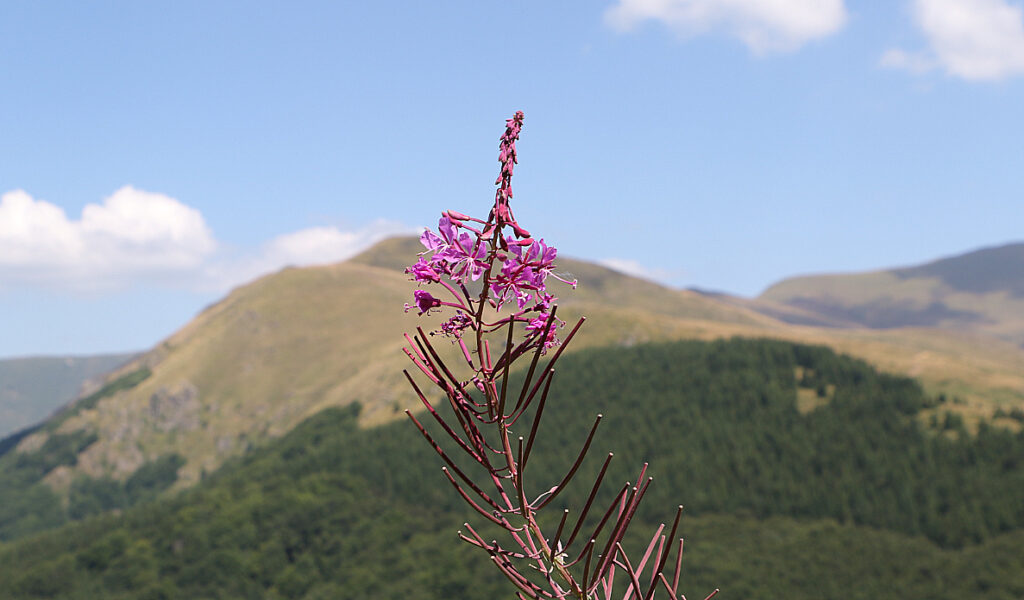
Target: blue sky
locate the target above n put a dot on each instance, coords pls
(153, 155)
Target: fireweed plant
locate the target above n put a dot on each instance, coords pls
(514, 306)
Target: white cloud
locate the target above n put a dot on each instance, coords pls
(138, 236)
(312, 246)
(132, 233)
(763, 25)
(322, 245)
(973, 39)
(636, 269)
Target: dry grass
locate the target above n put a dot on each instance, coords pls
(293, 343)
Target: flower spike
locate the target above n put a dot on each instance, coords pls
(509, 272)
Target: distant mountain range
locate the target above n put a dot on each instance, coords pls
(977, 292)
(32, 388)
(286, 346)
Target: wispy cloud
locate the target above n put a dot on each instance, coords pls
(138, 236)
(306, 247)
(636, 269)
(918, 63)
(972, 39)
(765, 26)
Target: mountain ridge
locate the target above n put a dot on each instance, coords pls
(290, 344)
(981, 291)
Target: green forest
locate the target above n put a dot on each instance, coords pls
(857, 497)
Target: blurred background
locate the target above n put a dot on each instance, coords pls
(205, 210)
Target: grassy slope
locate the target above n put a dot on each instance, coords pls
(985, 372)
(979, 292)
(290, 344)
(263, 359)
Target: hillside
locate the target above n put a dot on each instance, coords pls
(32, 388)
(285, 347)
(985, 373)
(598, 287)
(853, 498)
(980, 292)
(290, 344)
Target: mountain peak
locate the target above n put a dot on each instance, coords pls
(982, 271)
(981, 291)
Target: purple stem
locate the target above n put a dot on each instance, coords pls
(586, 565)
(628, 568)
(608, 513)
(533, 363)
(465, 353)
(679, 567)
(643, 560)
(440, 420)
(469, 500)
(536, 422)
(437, 359)
(504, 377)
(576, 465)
(590, 499)
(451, 464)
(557, 540)
(421, 366)
(550, 366)
(664, 555)
(671, 590)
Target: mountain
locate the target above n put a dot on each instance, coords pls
(289, 345)
(853, 497)
(980, 292)
(599, 288)
(32, 388)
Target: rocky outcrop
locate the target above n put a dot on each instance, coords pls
(175, 409)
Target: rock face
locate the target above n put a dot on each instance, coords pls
(175, 409)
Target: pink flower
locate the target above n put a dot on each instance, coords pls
(524, 272)
(423, 301)
(537, 324)
(456, 254)
(424, 272)
(515, 281)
